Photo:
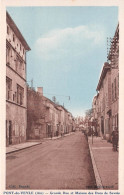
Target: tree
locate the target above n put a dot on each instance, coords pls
(88, 113)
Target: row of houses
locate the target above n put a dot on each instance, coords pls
(105, 103)
(29, 114)
(45, 117)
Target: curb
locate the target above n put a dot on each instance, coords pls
(23, 148)
(35, 144)
(96, 173)
(59, 137)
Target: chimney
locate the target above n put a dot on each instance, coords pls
(40, 90)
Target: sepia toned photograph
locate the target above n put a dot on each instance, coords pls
(62, 98)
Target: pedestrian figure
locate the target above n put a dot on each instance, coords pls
(115, 139)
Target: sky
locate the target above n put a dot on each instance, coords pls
(68, 49)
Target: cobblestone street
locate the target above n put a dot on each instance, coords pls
(64, 163)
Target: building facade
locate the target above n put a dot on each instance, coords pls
(104, 100)
(114, 63)
(45, 118)
(36, 111)
(16, 91)
(107, 99)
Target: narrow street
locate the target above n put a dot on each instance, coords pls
(64, 163)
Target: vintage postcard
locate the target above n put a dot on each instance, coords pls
(62, 89)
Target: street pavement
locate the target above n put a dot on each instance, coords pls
(30, 143)
(105, 163)
(63, 163)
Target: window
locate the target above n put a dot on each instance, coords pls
(106, 100)
(115, 88)
(20, 95)
(19, 65)
(23, 51)
(6, 130)
(103, 103)
(8, 88)
(118, 84)
(116, 120)
(20, 47)
(112, 92)
(13, 97)
(7, 29)
(7, 54)
(13, 38)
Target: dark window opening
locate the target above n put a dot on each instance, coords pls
(13, 38)
(8, 88)
(20, 95)
(8, 30)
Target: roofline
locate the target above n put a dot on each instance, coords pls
(63, 108)
(17, 31)
(105, 68)
(50, 101)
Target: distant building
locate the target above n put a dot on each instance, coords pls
(45, 118)
(52, 118)
(16, 94)
(95, 114)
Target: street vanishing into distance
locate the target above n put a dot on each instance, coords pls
(62, 99)
(64, 163)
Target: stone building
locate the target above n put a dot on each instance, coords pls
(42, 115)
(71, 126)
(16, 93)
(104, 99)
(113, 58)
(52, 118)
(36, 114)
(45, 118)
(58, 119)
(107, 98)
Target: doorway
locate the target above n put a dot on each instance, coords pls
(10, 132)
(102, 125)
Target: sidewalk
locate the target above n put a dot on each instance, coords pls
(105, 163)
(30, 143)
